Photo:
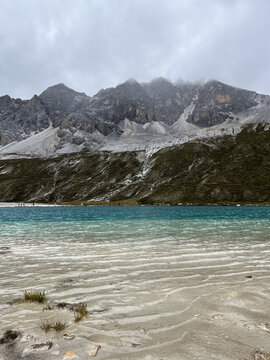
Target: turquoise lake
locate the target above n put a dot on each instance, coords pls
(88, 223)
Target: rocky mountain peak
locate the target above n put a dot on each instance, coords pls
(59, 100)
(131, 81)
(60, 90)
(150, 108)
(159, 88)
(130, 89)
(160, 81)
(5, 103)
(60, 86)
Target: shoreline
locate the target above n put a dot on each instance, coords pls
(123, 203)
(25, 204)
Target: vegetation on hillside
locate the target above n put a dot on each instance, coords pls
(221, 170)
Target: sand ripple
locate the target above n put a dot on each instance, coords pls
(150, 295)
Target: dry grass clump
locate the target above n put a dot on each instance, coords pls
(46, 326)
(80, 313)
(35, 296)
(49, 325)
(59, 326)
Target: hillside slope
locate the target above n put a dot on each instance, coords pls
(218, 170)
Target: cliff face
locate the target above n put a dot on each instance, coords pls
(158, 101)
(216, 102)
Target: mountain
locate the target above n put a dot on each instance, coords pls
(150, 143)
(131, 116)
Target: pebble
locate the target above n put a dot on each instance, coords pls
(218, 316)
(70, 355)
(95, 351)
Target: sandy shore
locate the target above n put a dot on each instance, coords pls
(229, 322)
(22, 204)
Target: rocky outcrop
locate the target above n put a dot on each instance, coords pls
(61, 101)
(170, 100)
(216, 102)
(19, 119)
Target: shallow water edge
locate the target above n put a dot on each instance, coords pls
(159, 282)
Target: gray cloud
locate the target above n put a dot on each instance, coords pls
(90, 44)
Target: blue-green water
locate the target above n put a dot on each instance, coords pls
(133, 223)
(114, 224)
(145, 271)
(133, 213)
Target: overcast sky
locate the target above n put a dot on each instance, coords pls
(94, 44)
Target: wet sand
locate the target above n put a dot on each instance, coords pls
(171, 298)
(22, 204)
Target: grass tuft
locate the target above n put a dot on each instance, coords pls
(35, 296)
(59, 326)
(46, 326)
(80, 313)
(49, 325)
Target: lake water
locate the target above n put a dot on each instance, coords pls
(154, 278)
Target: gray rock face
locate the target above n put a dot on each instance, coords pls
(18, 119)
(60, 102)
(216, 101)
(170, 100)
(158, 100)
